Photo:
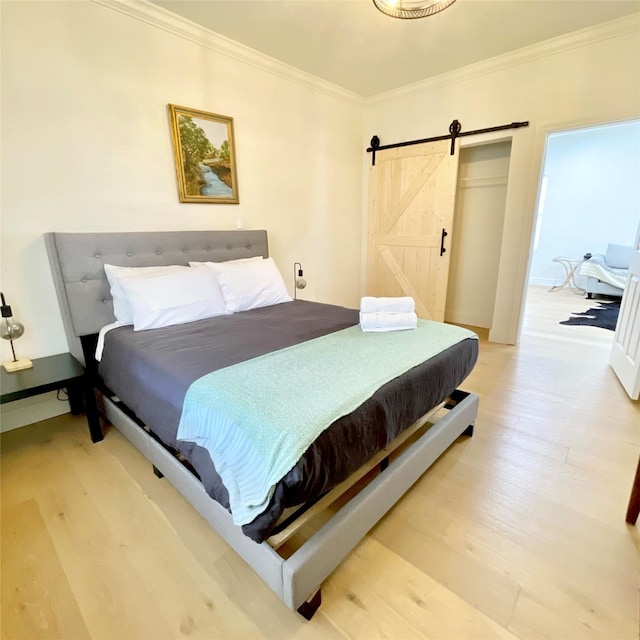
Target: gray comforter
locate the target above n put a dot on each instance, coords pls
(150, 371)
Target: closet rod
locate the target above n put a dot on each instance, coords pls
(455, 131)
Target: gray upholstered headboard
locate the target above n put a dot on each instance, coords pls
(77, 264)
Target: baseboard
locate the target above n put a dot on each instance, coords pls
(469, 319)
(544, 282)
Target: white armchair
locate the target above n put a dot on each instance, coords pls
(607, 273)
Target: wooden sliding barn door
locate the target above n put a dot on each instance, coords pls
(411, 202)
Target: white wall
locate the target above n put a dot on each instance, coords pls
(592, 196)
(587, 78)
(86, 146)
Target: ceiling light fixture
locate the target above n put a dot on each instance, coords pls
(409, 9)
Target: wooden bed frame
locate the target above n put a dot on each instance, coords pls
(77, 263)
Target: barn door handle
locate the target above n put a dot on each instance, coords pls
(442, 237)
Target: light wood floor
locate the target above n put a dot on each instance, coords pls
(517, 532)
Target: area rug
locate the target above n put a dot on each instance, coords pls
(605, 315)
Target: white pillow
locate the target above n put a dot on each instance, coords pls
(216, 267)
(173, 298)
(252, 285)
(618, 256)
(115, 274)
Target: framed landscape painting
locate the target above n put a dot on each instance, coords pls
(205, 157)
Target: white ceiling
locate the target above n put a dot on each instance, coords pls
(351, 44)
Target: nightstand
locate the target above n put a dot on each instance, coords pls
(51, 374)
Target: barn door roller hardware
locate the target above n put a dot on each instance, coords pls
(455, 131)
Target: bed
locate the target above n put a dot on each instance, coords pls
(413, 432)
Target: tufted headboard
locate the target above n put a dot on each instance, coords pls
(77, 264)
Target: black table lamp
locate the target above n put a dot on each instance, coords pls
(298, 281)
(11, 330)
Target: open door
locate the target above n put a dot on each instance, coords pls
(625, 353)
(411, 202)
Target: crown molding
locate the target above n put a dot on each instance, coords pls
(160, 18)
(584, 37)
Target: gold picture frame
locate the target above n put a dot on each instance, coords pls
(205, 157)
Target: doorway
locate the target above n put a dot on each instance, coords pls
(589, 198)
(478, 223)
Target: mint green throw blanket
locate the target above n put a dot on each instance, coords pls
(257, 418)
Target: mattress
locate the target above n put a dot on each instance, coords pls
(151, 371)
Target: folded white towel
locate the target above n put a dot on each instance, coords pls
(369, 304)
(388, 321)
